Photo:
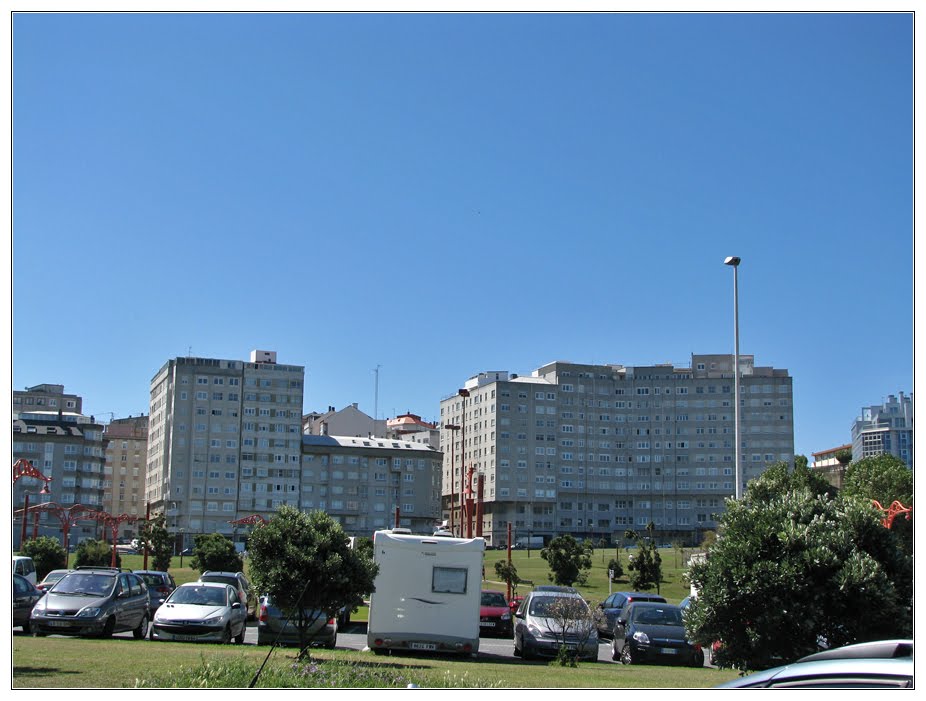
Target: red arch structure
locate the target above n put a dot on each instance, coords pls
(253, 519)
(892, 512)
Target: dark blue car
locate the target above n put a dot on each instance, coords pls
(652, 632)
(610, 608)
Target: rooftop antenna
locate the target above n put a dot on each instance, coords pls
(189, 351)
(376, 394)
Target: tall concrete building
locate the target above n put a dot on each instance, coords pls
(224, 441)
(592, 450)
(125, 446)
(50, 432)
(885, 428)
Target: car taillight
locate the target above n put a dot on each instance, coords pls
(263, 614)
(163, 590)
(330, 621)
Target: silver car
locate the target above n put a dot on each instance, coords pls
(549, 620)
(274, 627)
(207, 612)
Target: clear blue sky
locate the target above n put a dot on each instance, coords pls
(440, 195)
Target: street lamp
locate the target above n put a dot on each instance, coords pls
(734, 261)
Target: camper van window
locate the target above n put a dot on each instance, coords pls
(449, 580)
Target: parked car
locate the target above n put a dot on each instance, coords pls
(24, 567)
(274, 627)
(93, 601)
(208, 612)
(539, 631)
(610, 608)
(160, 585)
(51, 578)
(515, 602)
(647, 631)
(882, 664)
(25, 596)
(494, 615)
(241, 585)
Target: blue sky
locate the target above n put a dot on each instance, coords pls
(440, 195)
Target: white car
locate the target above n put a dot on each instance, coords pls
(208, 612)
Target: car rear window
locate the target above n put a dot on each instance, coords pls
(233, 581)
(491, 598)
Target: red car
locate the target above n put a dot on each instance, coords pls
(494, 615)
(514, 603)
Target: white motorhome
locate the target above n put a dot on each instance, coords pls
(428, 592)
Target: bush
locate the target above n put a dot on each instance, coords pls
(95, 553)
(617, 568)
(47, 554)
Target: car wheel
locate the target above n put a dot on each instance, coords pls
(615, 655)
(697, 658)
(332, 644)
(226, 635)
(379, 650)
(36, 633)
(239, 639)
(142, 630)
(27, 627)
(626, 655)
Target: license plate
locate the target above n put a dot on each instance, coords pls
(186, 638)
(422, 646)
(487, 624)
(668, 650)
(59, 624)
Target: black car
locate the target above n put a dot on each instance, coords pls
(648, 631)
(25, 595)
(160, 585)
(609, 609)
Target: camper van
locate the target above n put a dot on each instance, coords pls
(428, 593)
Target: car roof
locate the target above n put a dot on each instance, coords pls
(841, 669)
(221, 572)
(639, 594)
(560, 594)
(150, 572)
(652, 604)
(204, 584)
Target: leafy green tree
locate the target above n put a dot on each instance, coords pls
(46, 553)
(616, 569)
(800, 462)
(508, 573)
(305, 564)
(568, 559)
(885, 478)
(645, 566)
(364, 546)
(213, 551)
(160, 542)
(95, 553)
(795, 566)
(570, 619)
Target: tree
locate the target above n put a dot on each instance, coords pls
(570, 619)
(508, 573)
(46, 553)
(615, 568)
(305, 564)
(567, 559)
(885, 478)
(213, 551)
(160, 542)
(94, 553)
(646, 566)
(795, 566)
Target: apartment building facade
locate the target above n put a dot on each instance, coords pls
(364, 483)
(65, 446)
(125, 447)
(593, 450)
(885, 428)
(223, 436)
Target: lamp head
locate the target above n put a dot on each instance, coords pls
(731, 260)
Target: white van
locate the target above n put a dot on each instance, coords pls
(24, 566)
(428, 593)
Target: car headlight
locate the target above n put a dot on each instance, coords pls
(641, 637)
(506, 616)
(89, 612)
(534, 630)
(212, 621)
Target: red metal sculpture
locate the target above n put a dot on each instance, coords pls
(892, 512)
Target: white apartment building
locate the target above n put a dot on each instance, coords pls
(885, 428)
(593, 450)
(224, 441)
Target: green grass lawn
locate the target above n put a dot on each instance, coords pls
(125, 662)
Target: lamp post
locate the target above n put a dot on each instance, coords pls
(181, 547)
(734, 262)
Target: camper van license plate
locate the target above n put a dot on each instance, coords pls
(422, 646)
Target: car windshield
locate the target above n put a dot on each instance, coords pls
(198, 596)
(657, 616)
(557, 607)
(491, 598)
(87, 584)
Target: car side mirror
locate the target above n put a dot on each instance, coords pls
(621, 621)
(236, 605)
